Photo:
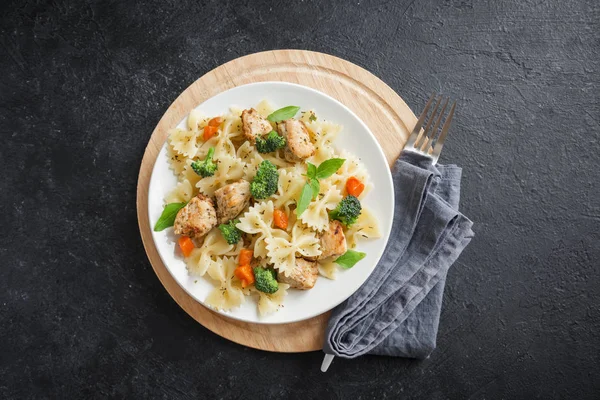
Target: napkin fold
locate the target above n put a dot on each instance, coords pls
(396, 311)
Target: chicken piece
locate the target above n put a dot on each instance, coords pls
(333, 241)
(196, 218)
(289, 156)
(298, 139)
(253, 124)
(231, 200)
(303, 276)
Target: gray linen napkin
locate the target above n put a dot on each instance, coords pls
(396, 311)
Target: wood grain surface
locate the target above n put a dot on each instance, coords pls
(386, 114)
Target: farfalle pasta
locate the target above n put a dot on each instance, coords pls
(182, 193)
(289, 187)
(230, 170)
(283, 249)
(316, 215)
(258, 221)
(213, 247)
(269, 303)
(184, 142)
(352, 167)
(366, 227)
(228, 293)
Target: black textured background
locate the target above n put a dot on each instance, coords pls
(82, 85)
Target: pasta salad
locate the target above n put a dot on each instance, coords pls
(265, 203)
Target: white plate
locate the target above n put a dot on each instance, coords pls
(354, 137)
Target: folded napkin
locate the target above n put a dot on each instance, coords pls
(396, 311)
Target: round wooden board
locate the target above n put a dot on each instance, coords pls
(386, 114)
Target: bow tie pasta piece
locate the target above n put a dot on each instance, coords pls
(305, 240)
(188, 174)
(264, 108)
(222, 144)
(289, 187)
(228, 135)
(221, 269)
(229, 293)
(184, 142)
(232, 126)
(196, 120)
(259, 242)
(230, 169)
(269, 303)
(258, 221)
(214, 245)
(282, 250)
(259, 245)
(281, 253)
(365, 227)
(352, 167)
(316, 215)
(182, 193)
(323, 135)
(218, 270)
(177, 161)
(328, 269)
(251, 159)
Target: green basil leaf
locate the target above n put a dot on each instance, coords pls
(312, 117)
(304, 200)
(316, 187)
(167, 218)
(329, 167)
(349, 258)
(283, 113)
(311, 170)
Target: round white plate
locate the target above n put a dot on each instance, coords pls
(354, 137)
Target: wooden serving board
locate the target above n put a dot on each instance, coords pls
(386, 114)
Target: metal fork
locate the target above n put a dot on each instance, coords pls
(424, 141)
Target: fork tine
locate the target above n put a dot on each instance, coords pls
(417, 129)
(423, 138)
(432, 134)
(440, 142)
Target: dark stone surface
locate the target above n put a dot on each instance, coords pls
(82, 314)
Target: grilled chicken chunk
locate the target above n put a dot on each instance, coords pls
(288, 155)
(232, 199)
(299, 145)
(196, 218)
(253, 124)
(333, 241)
(303, 276)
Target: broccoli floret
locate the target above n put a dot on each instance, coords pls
(265, 280)
(230, 232)
(206, 167)
(347, 211)
(265, 181)
(270, 143)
